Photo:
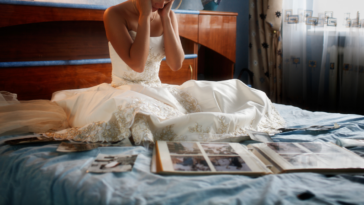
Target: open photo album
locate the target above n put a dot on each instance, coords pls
(254, 159)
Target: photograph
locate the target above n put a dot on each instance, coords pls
(229, 164)
(260, 136)
(190, 163)
(29, 140)
(307, 160)
(183, 148)
(341, 160)
(112, 163)
(218, 148)
(76, 147)
(285, 148)
(320, 147)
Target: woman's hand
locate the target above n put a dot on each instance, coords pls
(165, 12)
(144, 7)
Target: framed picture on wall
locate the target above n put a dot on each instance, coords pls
(329, 14)
(354, 23)
(321, 23)
(331, 22)
(348, 23)
(308, 14)
(287, 13)
(312, 21)
(293, 19)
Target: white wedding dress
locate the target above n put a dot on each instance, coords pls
(139, 105)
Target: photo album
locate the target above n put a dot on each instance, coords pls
(254, 159)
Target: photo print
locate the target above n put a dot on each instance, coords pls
(285, 148)
(76, 147)
(183, 148)
(260, 136)
(29, 139)
(312, 21)
(331, 22)
(348, 23)
(319, 147)
(287, 13)
(218, 149)
(112, 163)
(190, 163)
(321, 16)
(229, 163)
(342, 159)
(306, 160)
(308, 13)
(293, 19)
(329, 14)
(355, 23)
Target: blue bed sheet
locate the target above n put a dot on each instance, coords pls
(38, 174)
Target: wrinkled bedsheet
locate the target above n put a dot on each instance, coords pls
(38, 174)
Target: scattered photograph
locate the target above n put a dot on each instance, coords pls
(76, 147)
(307, 160)
(112, 163)
(229, 163)
(183, 148)
(260, 136)
(123, 143)
(29, 139)
(319, 147)
(285, 148)
(190, 163)
(218, 148)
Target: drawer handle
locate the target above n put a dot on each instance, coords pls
(191, 72)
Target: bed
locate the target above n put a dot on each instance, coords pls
(38, 174)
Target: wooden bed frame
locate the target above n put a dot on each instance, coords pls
(46, 47)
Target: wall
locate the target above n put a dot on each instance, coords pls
(242, 35)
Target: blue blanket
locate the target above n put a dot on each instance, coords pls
(38, 174)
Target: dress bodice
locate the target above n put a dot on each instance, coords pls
(122, 74)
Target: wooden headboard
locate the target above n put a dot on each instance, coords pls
(46, 47)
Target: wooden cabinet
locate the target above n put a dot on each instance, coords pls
(187, 72)
(33, 32)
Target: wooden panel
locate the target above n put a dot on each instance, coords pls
(54, 41)
(188, 26)
(40, 82)
(214, 66)
(182, 75)
(219, 34)
(11, 15)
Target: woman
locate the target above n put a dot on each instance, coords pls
(141, 33)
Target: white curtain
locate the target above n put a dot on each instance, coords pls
(323, 55)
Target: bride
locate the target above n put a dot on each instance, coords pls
(141, 33)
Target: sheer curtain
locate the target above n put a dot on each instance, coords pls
(323, 55)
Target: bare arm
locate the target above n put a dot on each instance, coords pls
(172, 42)
(134, 54)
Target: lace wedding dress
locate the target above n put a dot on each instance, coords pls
(139, 105)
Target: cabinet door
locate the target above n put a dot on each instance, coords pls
(187, 72)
